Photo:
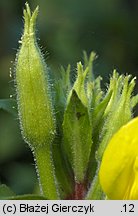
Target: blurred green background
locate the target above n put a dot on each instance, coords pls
(66, 28)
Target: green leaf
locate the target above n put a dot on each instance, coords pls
(63, 171)
(77, 136)
(5, 191)
(65, 78)
(9, 105)
(79, 85)
(88, 62)
(97, 93)
(134, 101)
(97, 115)
(27, 197)
(97, 119)
(61, 88)
(94, 93)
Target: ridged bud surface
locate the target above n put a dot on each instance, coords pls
(33, 94)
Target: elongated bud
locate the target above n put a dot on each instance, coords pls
(33, 94)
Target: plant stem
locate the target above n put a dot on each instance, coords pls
(79, 191)
(46, 173)
(95, 192)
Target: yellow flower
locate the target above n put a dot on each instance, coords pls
(119, 167)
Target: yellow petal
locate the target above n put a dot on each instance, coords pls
(134, 190)
(119, 168)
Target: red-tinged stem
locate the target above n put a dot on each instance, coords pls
(79, 192)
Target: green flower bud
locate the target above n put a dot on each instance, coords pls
(79, 85)
(118, 111)
(33, 93)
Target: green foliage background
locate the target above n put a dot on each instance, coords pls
(66, 28)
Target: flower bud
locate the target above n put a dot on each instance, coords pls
(33, 93)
